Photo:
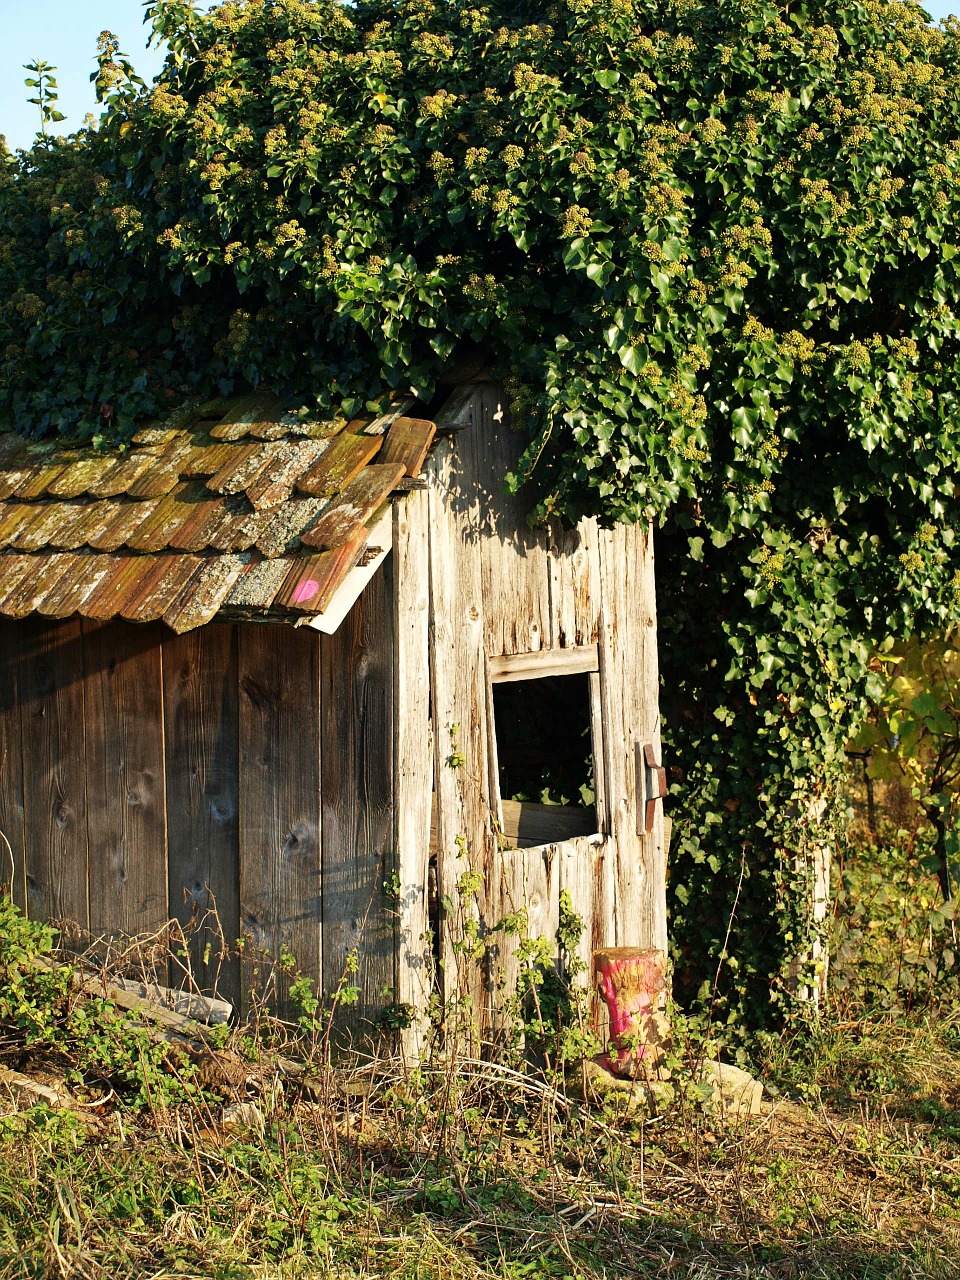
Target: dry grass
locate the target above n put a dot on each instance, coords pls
(465, 1170)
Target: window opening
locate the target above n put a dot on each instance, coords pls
(545, 759)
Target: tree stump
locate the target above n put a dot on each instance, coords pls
(632, 982)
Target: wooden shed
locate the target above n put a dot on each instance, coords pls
(318, 672)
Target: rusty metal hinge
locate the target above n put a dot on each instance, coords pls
(652, 787)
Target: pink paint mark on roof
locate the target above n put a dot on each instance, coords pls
(306, 591)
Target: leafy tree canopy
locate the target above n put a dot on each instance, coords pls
(715, 245)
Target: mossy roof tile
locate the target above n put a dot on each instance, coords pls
(212, 508)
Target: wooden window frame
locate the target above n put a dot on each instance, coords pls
(539, 665)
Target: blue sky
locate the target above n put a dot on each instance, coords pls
(64, 32)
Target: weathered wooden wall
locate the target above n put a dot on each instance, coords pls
(498, 588)
(142, 772)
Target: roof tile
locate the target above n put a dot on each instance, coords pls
(13, 568)
(408, 441)
(121, 524)
(337, 465)
(76, 478)
(361, 499)
(35, 485)
(39, 524)
(14, 518)
(158, 593)
(39, 575)
(281, 532)
(179, 506)
(119, 581)
(312, 581)
(241, 470)
(202, 597)
(274, 484)
(72, 589)
(123, 474)
(259, 410)
(208, 510)
(163, 474)
(258, 583)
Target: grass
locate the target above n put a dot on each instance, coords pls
(465, 1170)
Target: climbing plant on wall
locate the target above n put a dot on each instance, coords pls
(716, 249)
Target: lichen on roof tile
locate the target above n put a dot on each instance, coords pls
(72, 588)
(282, 531)
(15, 518)
(173, 511)
(78, 519)
(261, 408)
(36, 483)
(76, 478)
(203, 595)
(175, 572)
(126, 470)
(274, 483)
(206, 457)
(164, 472)
(126, 516)
(242, 468)
(312, 428)
(40, 523)
(258, 584)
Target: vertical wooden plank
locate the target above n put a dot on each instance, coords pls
(596, 746)
(632, 905)
(531, 881)
(12, 860)
(574, 585)
(514, 562)
(126, 825)
(356, 710)
(279, 766)
(52, 726)
(413, 763)
(200, 748)
(465, 837)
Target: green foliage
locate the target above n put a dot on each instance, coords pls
(716, 247)
(40, 1012)
(914, 734)
(44, 81)
(894, 938)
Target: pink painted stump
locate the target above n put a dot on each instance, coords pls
(632, 981)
